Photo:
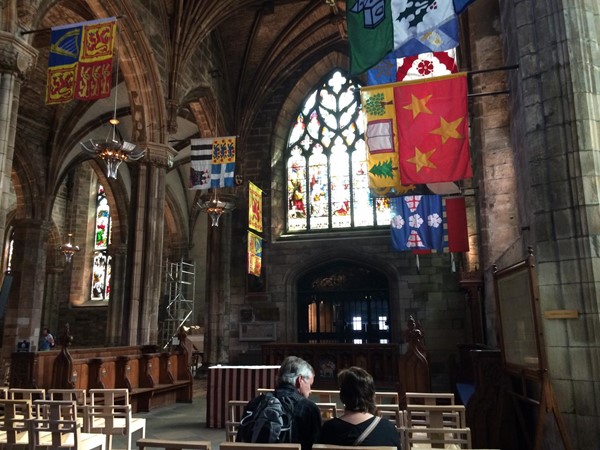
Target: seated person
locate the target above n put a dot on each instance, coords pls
(358, 425)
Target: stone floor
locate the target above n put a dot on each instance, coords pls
(180, 421)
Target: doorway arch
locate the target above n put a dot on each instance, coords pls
(343, 302)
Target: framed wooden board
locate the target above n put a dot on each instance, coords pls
(517, 301)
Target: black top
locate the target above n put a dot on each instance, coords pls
(339, 432)
(306, 416)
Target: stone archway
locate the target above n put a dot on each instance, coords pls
(343, 302)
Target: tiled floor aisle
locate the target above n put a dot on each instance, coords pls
(180, 421)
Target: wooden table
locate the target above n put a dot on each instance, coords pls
(234, 383)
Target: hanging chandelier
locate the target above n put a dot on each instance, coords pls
(216, 205)
(113, 150)
(68, 249)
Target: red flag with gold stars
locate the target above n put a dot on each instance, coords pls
(433, 132)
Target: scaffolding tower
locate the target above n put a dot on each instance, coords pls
(180, 282)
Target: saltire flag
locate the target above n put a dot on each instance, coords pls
(381, 136)
(212, 162)
(461, 5)
(255, 207)
(432, 120)
(378, 27)
(417, 223)
(80, 61)
(254, 254)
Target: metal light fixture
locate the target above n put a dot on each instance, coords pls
(216, 206)
(114, 149)
(68, 249)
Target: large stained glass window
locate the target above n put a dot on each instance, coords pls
(101, 269)
(327, 163)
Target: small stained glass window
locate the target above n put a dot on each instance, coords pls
(327, 173)
(101, 269)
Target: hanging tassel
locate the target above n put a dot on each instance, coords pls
(418, 264)
(452, 263)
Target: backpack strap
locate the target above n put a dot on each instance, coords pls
(368, 430)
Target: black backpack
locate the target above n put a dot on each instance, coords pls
(267, 419)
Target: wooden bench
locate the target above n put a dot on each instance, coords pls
(144, 443)
(153, 378)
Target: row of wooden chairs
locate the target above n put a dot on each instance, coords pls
(143, 444)
(419, 423)
(102, 412)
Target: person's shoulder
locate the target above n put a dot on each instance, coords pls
(385, 423)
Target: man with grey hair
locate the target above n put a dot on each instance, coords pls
(294, 383)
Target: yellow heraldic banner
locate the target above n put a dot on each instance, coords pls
(382, 141)
(255, 207)
(254, 254)
(80, 61)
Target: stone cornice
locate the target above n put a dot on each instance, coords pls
(158, 154)
(16, 56)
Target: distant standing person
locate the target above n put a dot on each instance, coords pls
(358, 425)
(46, 340)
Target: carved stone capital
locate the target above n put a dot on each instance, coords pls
(16, 56)
(161, 155)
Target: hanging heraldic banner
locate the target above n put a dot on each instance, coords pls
(80, 61)
(255, 207)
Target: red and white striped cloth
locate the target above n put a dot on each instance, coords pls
(234, 383)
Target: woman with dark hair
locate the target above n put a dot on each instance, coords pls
(358, 425)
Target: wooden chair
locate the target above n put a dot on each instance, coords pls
(393, 413)
(79, 396)
(235, 410)
(325, 396)
(436, 416)
(352, 447)
(104, 416)
(26, 394)
(328, 410)
(144, 443)
(246, 446)
(263, 390)
(57, 428)
(384, 397)
(430, 398)
(458, 438)
(14, 424)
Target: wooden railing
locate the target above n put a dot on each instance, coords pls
(391, 370)
(153, 378)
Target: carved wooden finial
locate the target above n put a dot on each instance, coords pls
(65, 338)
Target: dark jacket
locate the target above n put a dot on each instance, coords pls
(306, 416)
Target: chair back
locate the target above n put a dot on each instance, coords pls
(430, 398)
(419, 437)
(14, 423)
(436, 416)
(235, 410)
(352, 447)
(247, 446)
(56, 427)
(26, 394)
(109, 396)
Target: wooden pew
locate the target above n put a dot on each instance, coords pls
(153, 378)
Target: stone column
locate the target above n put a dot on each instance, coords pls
(26, 296)
(16, 59)
(148, 197)
(116, 305)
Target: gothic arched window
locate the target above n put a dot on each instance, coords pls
(101, 268)
(328, 187)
